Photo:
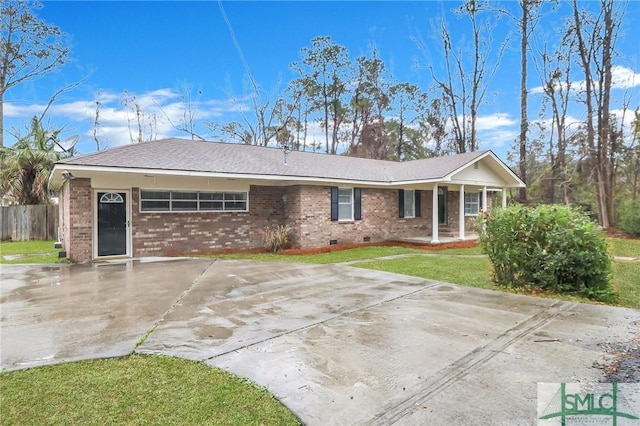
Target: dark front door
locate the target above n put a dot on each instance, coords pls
(112, 223)
(442, 205)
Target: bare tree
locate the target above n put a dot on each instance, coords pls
(96, 125)
(555, 72)
(464, 89)
(595, 38)
(138, 120)
(29, 47)
(267, 120)
(187, 122)
(526, 23)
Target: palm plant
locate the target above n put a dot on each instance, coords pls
(27, 164)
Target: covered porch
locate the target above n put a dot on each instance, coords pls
(450, 217)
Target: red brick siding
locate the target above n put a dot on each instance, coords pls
(77, 217)
(308, 212)
(158, 234)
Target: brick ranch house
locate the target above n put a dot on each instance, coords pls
(177, 196)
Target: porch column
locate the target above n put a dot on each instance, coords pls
(484, 198)
(461, 213)
(504, 198)
(434, 216)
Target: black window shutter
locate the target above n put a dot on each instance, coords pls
(334, 203)
(418, 203)
(401, 202)
(357, 204)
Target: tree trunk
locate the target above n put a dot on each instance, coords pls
(1, 117)
(524, 121)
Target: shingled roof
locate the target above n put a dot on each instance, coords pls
(238, 159)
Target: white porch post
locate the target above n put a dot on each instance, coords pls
(504, 198)
(434, 216)
(484, 198)
(461, 213)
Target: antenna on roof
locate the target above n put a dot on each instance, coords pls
(286, 149)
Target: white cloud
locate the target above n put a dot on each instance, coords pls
(621, 78)
(162, 109)
(497, 138)
(624, 78)
(494, 121)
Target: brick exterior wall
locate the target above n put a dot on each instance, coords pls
(161, 234)
(306, 208)
(308, 212)
(76, 216)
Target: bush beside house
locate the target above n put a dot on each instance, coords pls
(550, 247)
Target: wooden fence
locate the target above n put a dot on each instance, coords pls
(24, 223)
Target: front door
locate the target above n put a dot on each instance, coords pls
(442, 205)
(112, 223)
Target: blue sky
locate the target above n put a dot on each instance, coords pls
(152, 49)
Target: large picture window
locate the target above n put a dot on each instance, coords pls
(191, 201)
(472, 203)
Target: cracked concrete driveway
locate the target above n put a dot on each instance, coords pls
(336, 344)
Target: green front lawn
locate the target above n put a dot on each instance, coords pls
(475, 272)
(624, 247)
(626, 283)
(339, 256)
(469, 271)
(29, 252)
(136, 390)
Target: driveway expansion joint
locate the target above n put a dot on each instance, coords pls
(430, 285)
(472, 360)
(162, 318)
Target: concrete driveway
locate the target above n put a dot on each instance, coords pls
(338, 345)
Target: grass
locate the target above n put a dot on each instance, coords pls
(466, 267)
(626, 284)
(136, 390)
(476, 272)
(361, 253)
(472, 272)
(624, 247)
(29, 252)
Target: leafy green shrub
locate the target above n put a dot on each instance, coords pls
(276, 238)
(551, 247)
(629, 221)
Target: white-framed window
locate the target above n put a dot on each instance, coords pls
(155, 200)
(409, 203)
(345, 203)
(472, 203)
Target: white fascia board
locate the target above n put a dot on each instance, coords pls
(238, 176)
(478, 183)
